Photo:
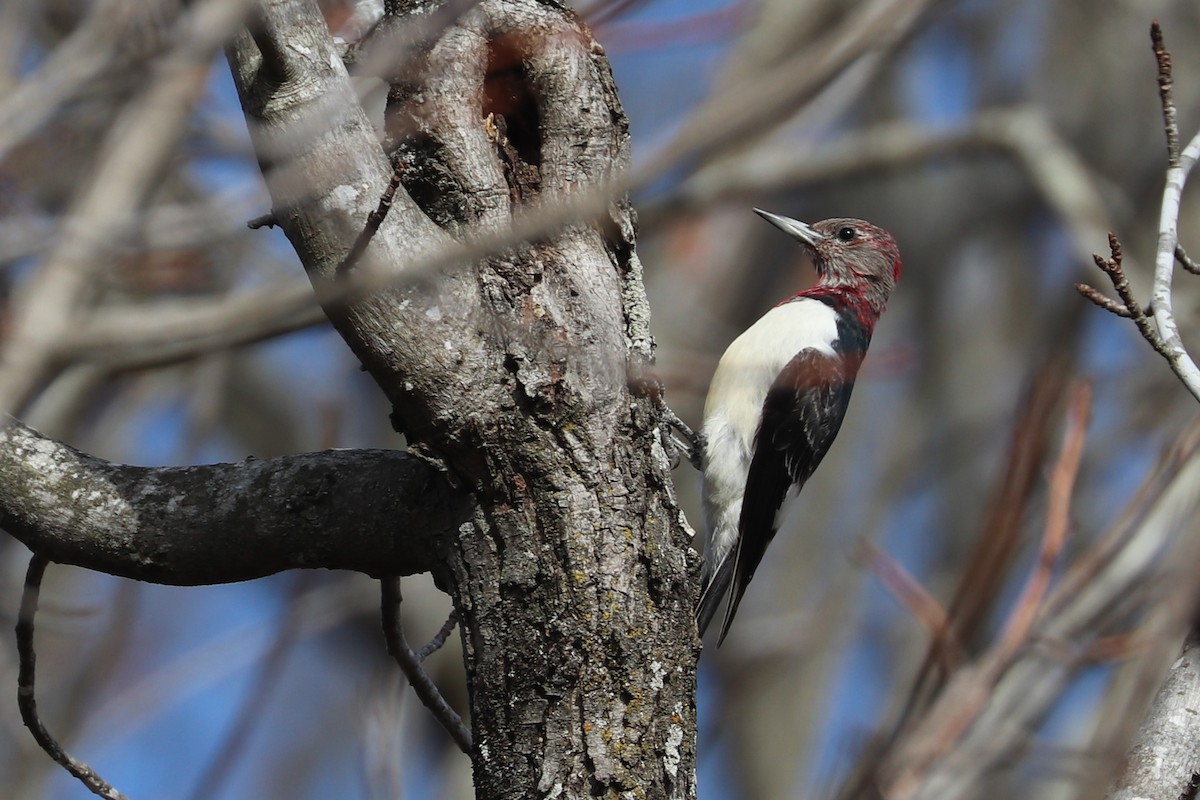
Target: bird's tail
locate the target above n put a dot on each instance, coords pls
(715, 585)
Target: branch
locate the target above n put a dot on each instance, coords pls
(1163, 336)
(1164, 267)
(1019, 134)
(1179, 165)
(944, 645)
(1128, 307)
(410, 663)
(372, 511)
(26, 701)
(374, 220)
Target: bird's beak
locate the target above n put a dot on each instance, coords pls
(792, 227)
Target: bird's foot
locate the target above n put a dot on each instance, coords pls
(644, 382)
(687, 442)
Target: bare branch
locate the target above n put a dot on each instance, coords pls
(1113, 267)
(372, 511)
(172, 331)
(750, 109)
(1021, 134)
(1179, 165)
(987, 709)
(1164, 267)
(984, 576)
(26, 700)
(410, 663)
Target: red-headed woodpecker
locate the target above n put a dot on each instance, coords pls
(779, 396)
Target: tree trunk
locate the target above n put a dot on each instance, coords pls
(574, 581)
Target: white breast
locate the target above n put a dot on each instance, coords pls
(734, 405)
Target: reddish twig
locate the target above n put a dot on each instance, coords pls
(919, 602)
(26, 701)
(1119, 647)
(1062, 483)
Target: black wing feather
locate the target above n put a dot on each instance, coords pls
(716, 585)
(801, 417)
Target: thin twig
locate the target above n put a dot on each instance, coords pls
(440, 637)
(26, 701)
(1129, 307)
(1062, 483)
(1102, 300)
(1166, 96)
(410, 664)
(374, 220)
(1186, 261)
(919, 602)
(1112, 266)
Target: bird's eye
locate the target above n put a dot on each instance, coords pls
(847, 234)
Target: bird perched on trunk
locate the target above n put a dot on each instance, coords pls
(779, 396)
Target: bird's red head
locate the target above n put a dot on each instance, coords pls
(852, 257)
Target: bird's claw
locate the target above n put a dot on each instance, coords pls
(687, 442)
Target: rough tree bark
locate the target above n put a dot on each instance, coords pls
(572, 580)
